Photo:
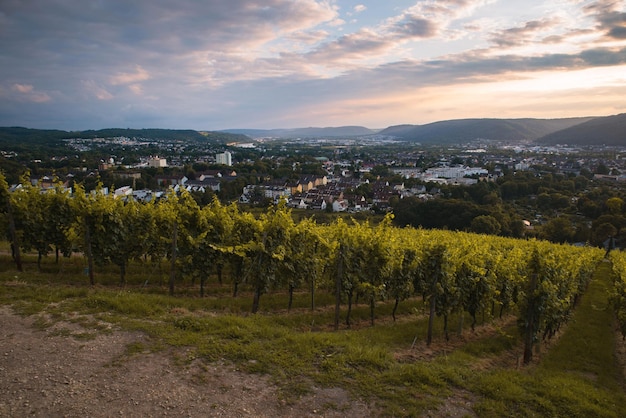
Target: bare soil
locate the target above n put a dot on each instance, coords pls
(67, 371)
(55, 372)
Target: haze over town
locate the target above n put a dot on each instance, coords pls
(218, 64)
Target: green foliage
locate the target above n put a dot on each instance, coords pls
(558, 230)
(454, 272)
(485, 224)
(578, 377)
(555, 279)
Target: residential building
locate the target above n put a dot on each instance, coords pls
(165, 181)
(224, 158)
(157, 162)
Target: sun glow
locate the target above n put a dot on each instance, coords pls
(546, 81)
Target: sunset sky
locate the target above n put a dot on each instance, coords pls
(218, 64)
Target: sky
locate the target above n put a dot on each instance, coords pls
(223, 64)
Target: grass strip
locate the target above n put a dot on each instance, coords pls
(578, 377)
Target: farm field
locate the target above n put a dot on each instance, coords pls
(68, 348)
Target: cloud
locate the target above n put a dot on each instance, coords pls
(226, 62)
(359, 45)
(308, 37)
(337, 22)
(425, 20)
(23, 88)
(413, 26)
(92, 88)
(130, 78)
(446, 10)
(93, 39)
(136, 89)
(40, 98)
(531, 31)
(383, 39)
(27, 92)
(618, 32)
(610, 17)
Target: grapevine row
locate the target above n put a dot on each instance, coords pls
(618, 296)
(454, 272)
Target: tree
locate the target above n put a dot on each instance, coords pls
(159, 245)
(435, 272)
(219, 228)
(474, 274)
(530, 309)
(245, 230)
(203, 198)
(544, 201)
(130, 229)
(615, 205)
(7, 209)
(30, 209)
(455, 214)
(400, 283)
(110, 230)
(508, 268)
(268, 250)
(61, 214)
(485, 224)
(171, 215)
(603, 232)
(349, 262)
(602, 169)
(377, 244)
(558, 230)
(191, 231)
(84, 233)
(555, 278)
(380, 171)
(306, 259)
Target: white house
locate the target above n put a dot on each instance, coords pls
(340, 206)
(123, 191)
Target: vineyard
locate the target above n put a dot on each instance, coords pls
(338, 280)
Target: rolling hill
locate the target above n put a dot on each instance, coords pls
(608, 130)
(465, 130)
(16, 137)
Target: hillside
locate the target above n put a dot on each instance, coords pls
(172, 134)
(15, 138)
(18, 136)
(464, 130)
(609, 130)
(213, 362)
(304, 132)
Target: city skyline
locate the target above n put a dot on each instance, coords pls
(211, 65)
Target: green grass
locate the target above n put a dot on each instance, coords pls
(588, 347)
(578, 377)
(299, 349)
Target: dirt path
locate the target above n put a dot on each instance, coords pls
(46, 375)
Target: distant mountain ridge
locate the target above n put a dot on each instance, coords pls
(304, 132)
(608, 130)
(465, 130)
